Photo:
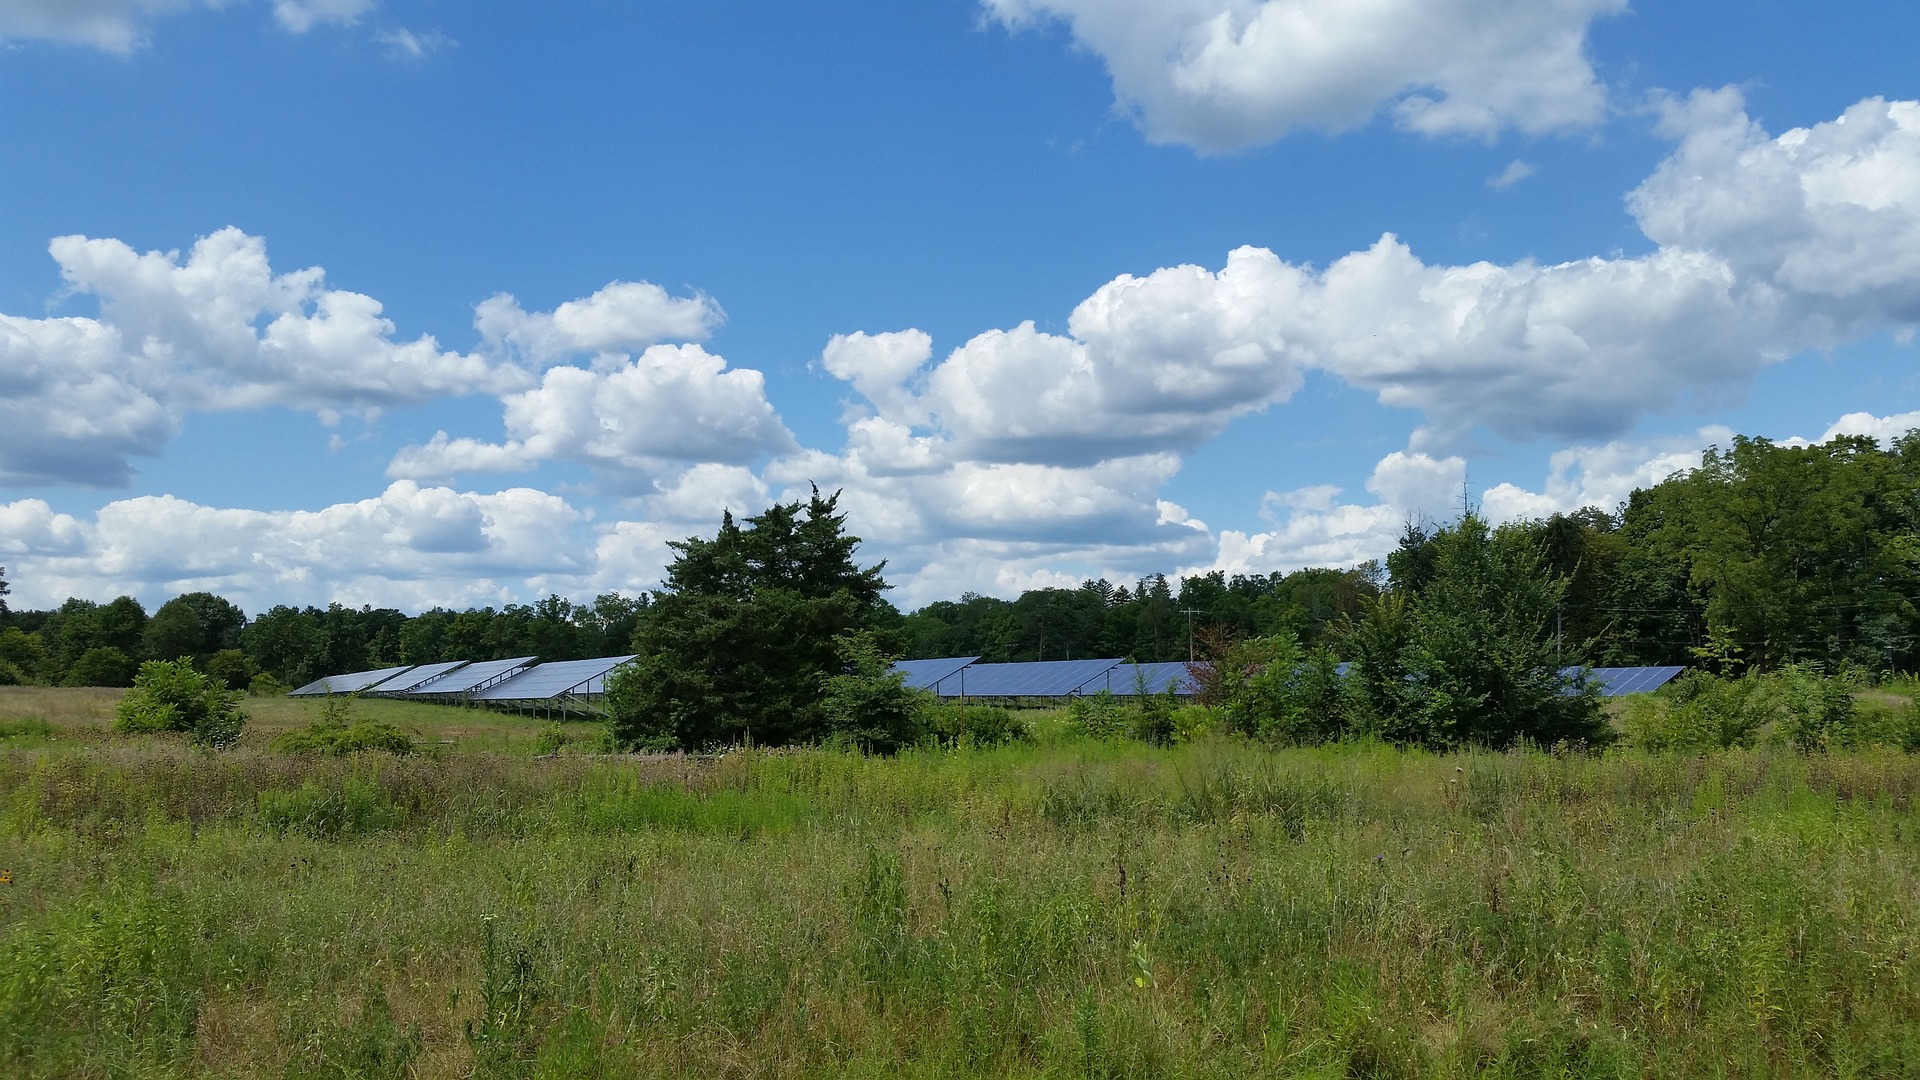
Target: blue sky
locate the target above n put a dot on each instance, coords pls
(409, 303)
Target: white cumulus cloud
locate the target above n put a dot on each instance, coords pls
(1224, 74)
(633, 417)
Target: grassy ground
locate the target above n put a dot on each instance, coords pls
(1071, 909)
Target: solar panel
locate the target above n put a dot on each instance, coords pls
(1047, 678)
(1621, 681)
(473, 677)
(545, 682)
(418, 677)
(922, 674)
(349, 684)
(1127, 680)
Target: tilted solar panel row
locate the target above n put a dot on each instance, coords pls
(547, 682)
(354, 683)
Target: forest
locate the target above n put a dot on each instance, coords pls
(1767, 554)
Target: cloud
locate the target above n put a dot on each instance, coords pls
(218, 329)
(631, 417)
(1826, 217)
(215, 330)
(409, 544)
(623, 316)
(1885, 429)
(1766, 247)
(1222, 75)
(300, 16)
(1506, 178)
(1602, 476)
(405, 44)
(116, 26)
(122, 26)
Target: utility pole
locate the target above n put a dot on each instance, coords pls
(1189, 613)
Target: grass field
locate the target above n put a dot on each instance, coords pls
(1069, 909)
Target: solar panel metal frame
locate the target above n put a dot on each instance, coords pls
(1125, 680)
(409, 681)
(923, 674)
(1034, 678)
(552, 681)
(351, 683)
(473, 677)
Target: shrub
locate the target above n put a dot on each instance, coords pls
(1271, 688)
(339, 739)
(266, 685)
(1194, 722)
(11, 675)
(1700, 711)
(1820, 710)
(1100, 716)
(1153, 717)
(168, 695)
(976, 725)
(868, 704)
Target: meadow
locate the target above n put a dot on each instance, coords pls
(1073, 908)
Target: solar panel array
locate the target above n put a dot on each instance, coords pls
(520, 680)
(417, 677)
(355, 683)
(1129, 680)
(473, 677)
(547, 682)
(1046, 678)
(966, 677)
(923, 674)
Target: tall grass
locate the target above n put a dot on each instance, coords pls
(1078, 909)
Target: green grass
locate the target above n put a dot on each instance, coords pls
(1065, 909)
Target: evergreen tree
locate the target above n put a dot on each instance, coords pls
(1482, 662)
(739, 643)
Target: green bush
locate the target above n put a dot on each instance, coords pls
(976, 725)
(1271, 688)
(11, 675)
(1701, 711)
(325, 736)
(266, 685)
(869, 705)
(1100, 716)
(169, 695)
(1194, 722)
(1820, 710)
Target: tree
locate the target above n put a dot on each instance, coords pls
(868, 704)
(23, 652)
(101, 666)
(1482, 663)
(4, 590)
(737, 645)
(196, 624)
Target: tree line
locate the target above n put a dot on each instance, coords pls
(1766, 555)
